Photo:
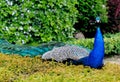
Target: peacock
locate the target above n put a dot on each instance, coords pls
(61, 52)
(79, 55)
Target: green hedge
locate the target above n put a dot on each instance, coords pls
(25, 21)
(112, 43)
(14, 68)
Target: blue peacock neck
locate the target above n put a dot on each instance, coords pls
(96, 56)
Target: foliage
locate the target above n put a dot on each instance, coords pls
(112, 43)
(114, 14)
(88, 10)
(14, 68)
(24, 21)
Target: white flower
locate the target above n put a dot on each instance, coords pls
(23, 42)
(21, 28)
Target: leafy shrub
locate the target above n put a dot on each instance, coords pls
(114, 14)
(112, 43)
(88, 10)
(24, 21)
(14, 68)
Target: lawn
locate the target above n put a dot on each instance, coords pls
(14, 68)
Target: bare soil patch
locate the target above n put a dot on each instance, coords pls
(114, 59)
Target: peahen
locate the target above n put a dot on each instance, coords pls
(79, 55)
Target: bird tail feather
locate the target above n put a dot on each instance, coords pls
(24, 50)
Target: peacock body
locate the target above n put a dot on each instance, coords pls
(79, 55)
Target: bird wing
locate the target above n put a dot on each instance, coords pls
(66, 52)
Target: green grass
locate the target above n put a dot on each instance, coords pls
(15, 68)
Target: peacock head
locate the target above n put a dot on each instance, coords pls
(96, 56)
